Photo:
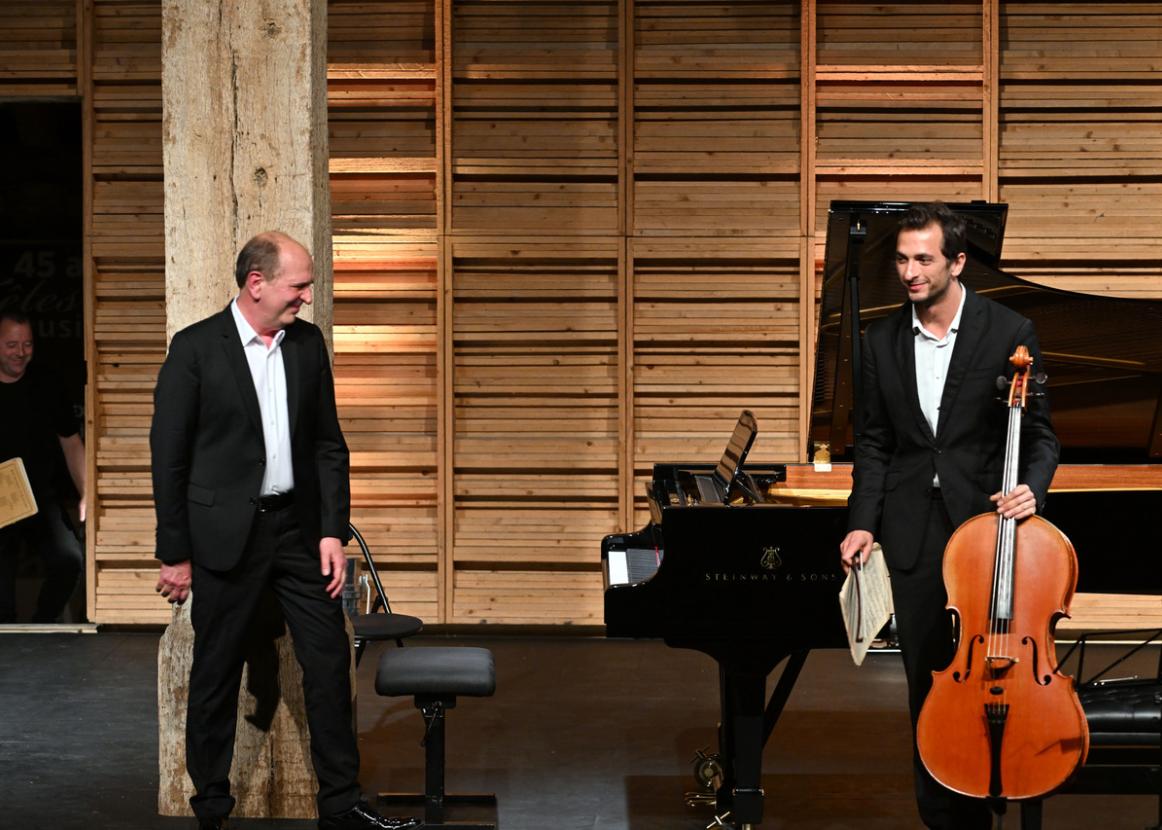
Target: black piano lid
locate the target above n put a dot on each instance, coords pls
(1103, 355)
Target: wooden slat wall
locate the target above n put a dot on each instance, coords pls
(534, 117)
(571, 237)
(714, 229)
(900, 103)
(1081, 144)
(535, 278)
(383, 107)
(715, 331)
(127, 303)
(535, 376)
(38, 48)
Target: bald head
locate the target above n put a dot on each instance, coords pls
(275, 277)
(261, 254)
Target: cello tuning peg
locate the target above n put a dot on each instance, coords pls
(1040, 378)
(1002, 383)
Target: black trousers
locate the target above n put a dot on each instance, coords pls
(50, 535)
(225, 610)
(926, 644)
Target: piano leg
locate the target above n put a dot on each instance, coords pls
(741, 743)
(747, 721)
(782, 691)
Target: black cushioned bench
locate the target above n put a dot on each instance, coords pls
(436, 676)
(1125, 739)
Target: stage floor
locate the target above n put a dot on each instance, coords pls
(583, 734)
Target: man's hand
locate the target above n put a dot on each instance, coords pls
(855, 548)
(333, 563)
(173, 582)
(1020, 503)
(74, 451)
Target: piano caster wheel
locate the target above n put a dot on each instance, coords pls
(708, 770)
(708, 776)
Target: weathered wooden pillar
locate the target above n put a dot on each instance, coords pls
(244, 130)
(245, 150)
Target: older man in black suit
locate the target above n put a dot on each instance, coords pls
(929, 451)
(250, 477)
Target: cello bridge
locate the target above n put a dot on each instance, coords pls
(998, 665)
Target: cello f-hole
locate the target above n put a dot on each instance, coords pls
(1040, 679)
(962, 675)
(1032, 646)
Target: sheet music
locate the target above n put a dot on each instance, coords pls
(866, 603)
(16, 499)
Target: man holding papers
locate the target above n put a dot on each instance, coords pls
(929, 451)
(37, 425)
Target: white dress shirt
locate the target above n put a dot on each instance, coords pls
(933, 355)
(269, 375)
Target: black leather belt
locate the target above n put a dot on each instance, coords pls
(278, 501)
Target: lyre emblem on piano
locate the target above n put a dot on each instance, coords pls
(771, 560)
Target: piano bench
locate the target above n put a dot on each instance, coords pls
(436, 676)
(1125, 744)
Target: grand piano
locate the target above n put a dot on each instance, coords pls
(741, 561)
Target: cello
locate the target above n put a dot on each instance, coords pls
(1000, 722)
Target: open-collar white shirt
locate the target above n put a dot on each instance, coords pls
(933, 356)
(269, 375)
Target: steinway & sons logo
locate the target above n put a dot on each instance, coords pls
(770, 568)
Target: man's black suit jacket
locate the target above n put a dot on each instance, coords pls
(896, 453)
(208, 448)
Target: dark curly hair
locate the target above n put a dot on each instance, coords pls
(923, 215)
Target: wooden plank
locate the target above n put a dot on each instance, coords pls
(1111, 612)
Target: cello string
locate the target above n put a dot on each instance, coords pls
(998, 560)
(1008, 525)
(1012, 454)
(1006, 535)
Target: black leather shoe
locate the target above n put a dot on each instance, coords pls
(212, 824)
(362, 817)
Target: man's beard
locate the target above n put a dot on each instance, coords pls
(935, 296)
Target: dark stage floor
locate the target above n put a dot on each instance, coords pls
(583, 734)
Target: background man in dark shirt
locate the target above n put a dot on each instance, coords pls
(37, 425)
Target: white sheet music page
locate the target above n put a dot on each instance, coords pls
(866, 603)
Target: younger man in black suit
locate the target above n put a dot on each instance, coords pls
(929, 451)
(250, 479)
